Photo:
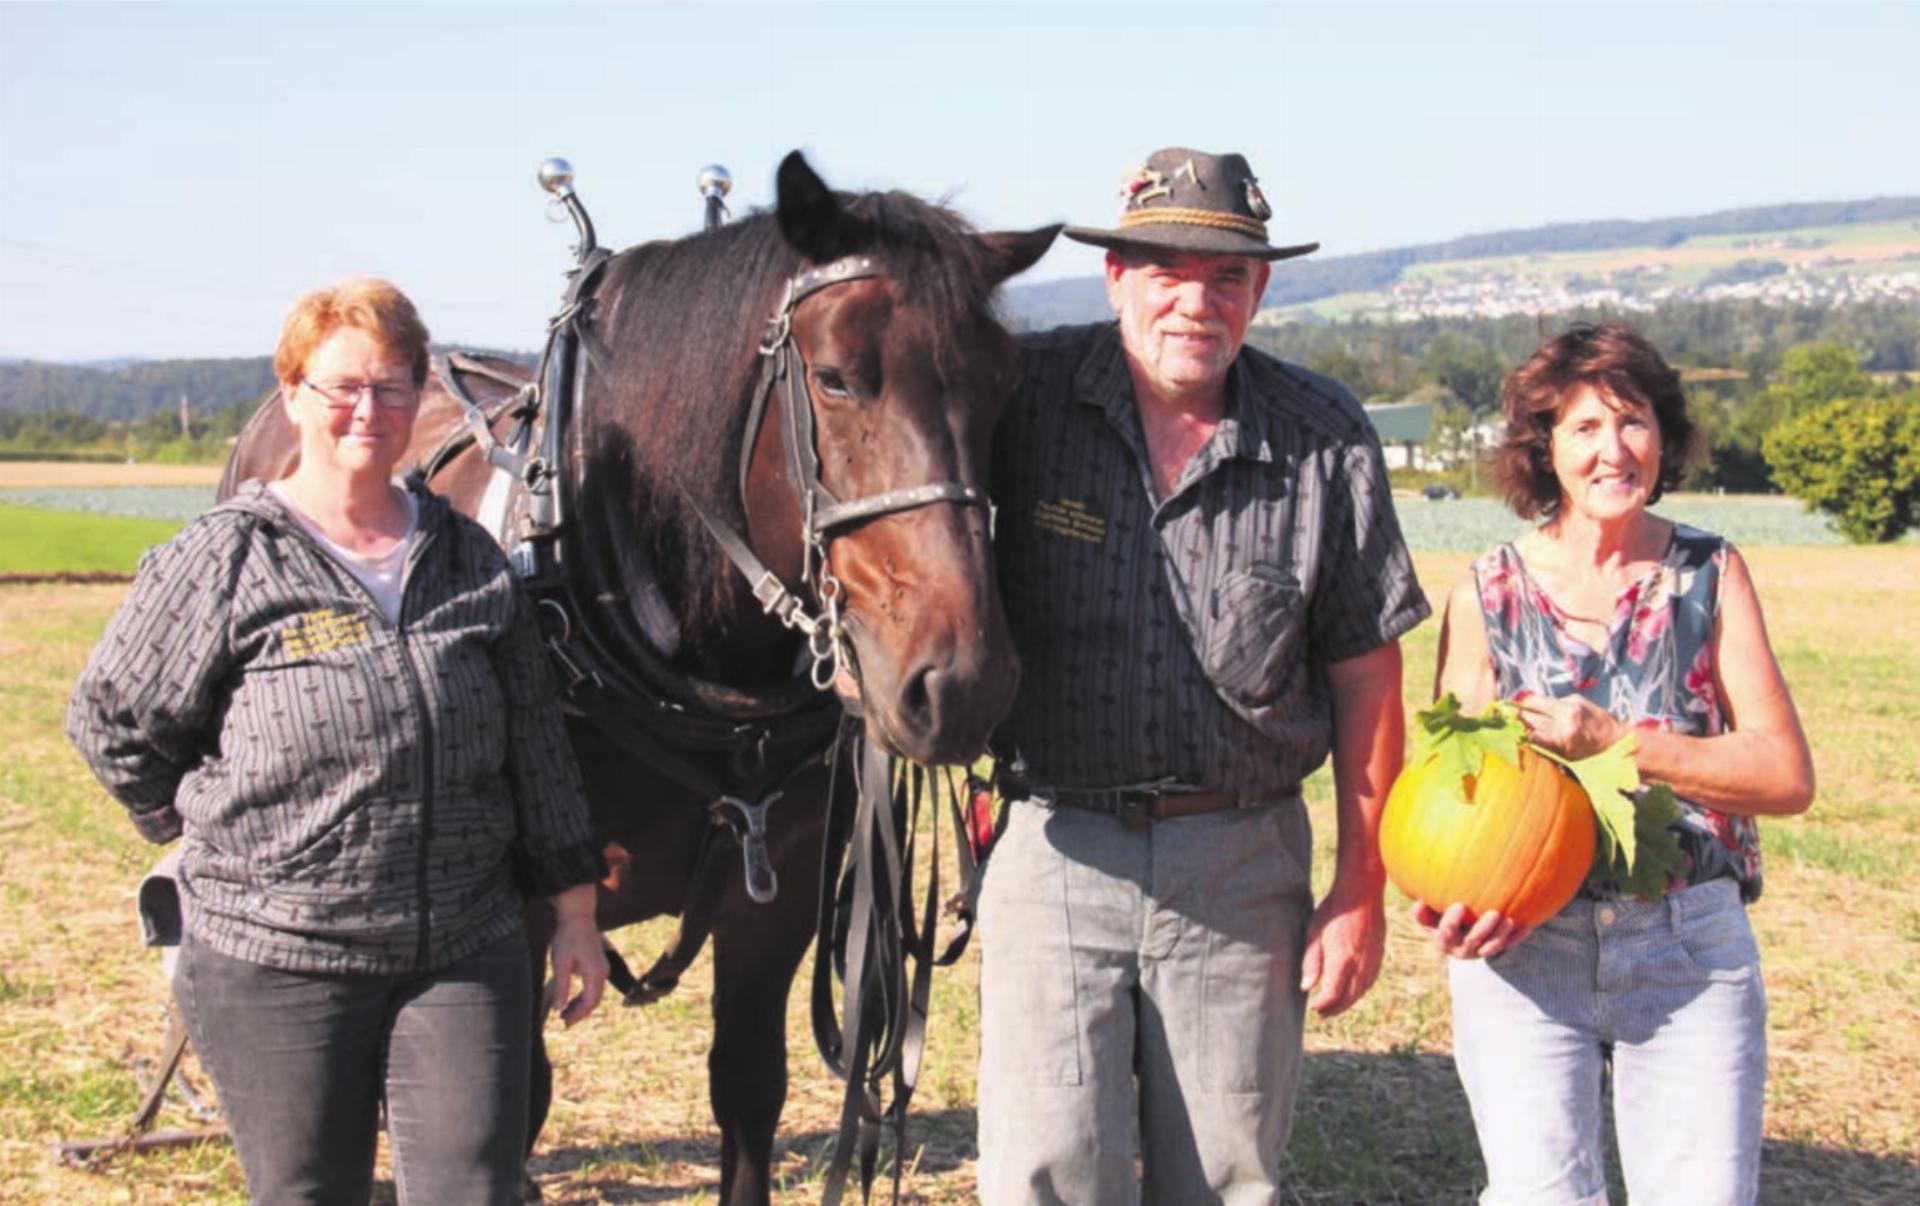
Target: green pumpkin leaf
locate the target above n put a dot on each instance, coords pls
(1657, 849)
(1635, 851)
(1610, 780)
(1462, 742)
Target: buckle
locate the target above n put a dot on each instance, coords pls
(1134, 808)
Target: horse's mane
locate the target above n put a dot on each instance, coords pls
(681, 329)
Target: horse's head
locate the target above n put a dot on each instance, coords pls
(906, 370)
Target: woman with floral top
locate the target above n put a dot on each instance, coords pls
(1606, 621)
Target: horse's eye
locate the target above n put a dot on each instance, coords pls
(831, 383)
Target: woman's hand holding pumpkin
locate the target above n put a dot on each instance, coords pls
(1485, 937)
(1572, 726)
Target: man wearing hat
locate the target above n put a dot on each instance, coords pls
(1207, 584)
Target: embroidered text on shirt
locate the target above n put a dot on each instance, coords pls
(1070, 517)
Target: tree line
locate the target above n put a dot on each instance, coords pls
(162, 436)
(175, 411)
(131, 392)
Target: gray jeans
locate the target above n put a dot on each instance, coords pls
(1141, 981)
(300, 1064)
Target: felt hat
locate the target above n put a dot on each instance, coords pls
(1187, 200)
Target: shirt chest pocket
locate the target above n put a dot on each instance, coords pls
(1253, 641)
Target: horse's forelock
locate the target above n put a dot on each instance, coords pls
(935, 259)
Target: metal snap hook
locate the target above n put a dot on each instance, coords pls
(762, 881)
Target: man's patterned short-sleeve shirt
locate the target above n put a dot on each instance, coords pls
(1187, 638)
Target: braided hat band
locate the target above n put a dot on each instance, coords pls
(1179, 216)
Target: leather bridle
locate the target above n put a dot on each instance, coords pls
(822, 514)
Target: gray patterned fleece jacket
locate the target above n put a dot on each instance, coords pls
(354, 796)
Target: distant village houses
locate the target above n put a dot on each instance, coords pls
(1490, 294)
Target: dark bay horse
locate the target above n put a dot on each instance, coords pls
(905, 370)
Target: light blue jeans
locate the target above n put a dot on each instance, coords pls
(1141, 981)
(1672, 990)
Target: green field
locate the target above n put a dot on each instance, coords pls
(35, 540)
(1381, 1117)
(1703, 253)
(1859, 234)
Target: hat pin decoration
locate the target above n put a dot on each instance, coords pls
(1194, 203)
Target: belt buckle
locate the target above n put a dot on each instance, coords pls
(1134, 807)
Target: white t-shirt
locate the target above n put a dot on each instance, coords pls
(384, 576)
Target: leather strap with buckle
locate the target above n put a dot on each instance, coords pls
(1137, 807)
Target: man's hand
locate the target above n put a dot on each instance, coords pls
(1348, 933)
(1346, 941)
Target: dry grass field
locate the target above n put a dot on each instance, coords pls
(36, 474)
(1381, 1117)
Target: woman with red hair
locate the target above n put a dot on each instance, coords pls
(332, 690)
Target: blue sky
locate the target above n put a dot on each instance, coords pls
(173, 175)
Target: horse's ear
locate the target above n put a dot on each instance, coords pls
(1011, 252)
(810, 216)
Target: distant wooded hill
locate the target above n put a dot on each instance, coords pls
(130, 391)
(1083, 299)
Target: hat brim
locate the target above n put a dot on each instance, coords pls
(1195, 240)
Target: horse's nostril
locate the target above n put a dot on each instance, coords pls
(916, 698)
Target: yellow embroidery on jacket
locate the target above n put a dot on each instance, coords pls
(316, 632)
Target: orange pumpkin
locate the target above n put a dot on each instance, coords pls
(1517, 839)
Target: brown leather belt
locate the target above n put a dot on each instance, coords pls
(1137, 807)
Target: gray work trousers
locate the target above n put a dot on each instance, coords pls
(1141, 981)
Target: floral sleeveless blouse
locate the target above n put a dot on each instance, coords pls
(1656, 672)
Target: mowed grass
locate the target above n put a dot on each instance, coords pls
(1381, 1117)
(34, 540)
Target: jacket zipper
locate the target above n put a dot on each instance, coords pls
(422, 897)
(424, 538)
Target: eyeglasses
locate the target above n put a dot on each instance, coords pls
(345, 395)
